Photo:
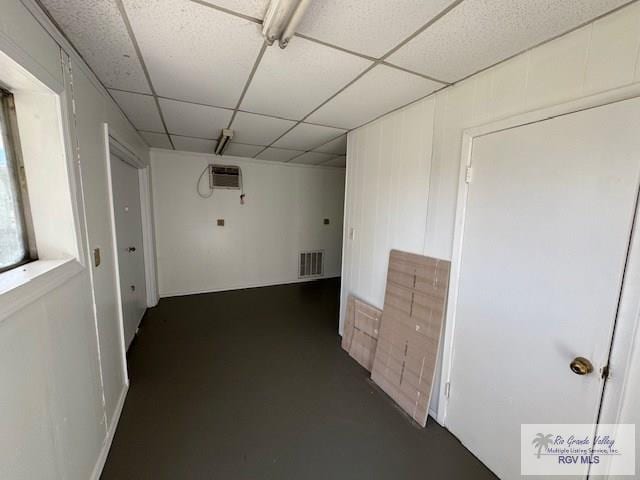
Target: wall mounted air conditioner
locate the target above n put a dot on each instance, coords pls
(225, 176)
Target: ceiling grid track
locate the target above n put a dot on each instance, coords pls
(248, 82)
(77, 52)
(228, 11)
(314, 149)
(322, 42)
(555, 37)
(375, 62)
(134, 41)
(231, 109)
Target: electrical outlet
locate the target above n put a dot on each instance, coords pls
(326, 221)
(221, 222)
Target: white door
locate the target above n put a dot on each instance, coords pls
(128, 218)
(547, 225)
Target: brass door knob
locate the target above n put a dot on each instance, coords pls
(581, 366)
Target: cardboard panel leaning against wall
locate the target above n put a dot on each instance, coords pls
(284, 211)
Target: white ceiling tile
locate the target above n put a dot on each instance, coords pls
(140, 109)
(194, 52)
(336, 162)
(337, 146)
(480, 33)
(363, 101)
(252, 8)
(98, 31)
(371, 27)
(312, 158)
(157, 140)
(279, 154)
(306, 137)
(258, 129)
(189, 144)
(242, 150)
(194, 120)
(292, 82)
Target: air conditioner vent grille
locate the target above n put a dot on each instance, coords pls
(311, 264)
(225, 176)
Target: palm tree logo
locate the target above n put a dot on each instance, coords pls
(542, 441)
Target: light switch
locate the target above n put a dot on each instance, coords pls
(221, 222)
(326, 221)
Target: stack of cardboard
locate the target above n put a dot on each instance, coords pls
(407, 345)
(360, 335)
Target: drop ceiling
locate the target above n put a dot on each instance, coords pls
(181, 70)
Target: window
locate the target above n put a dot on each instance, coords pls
(16, 232)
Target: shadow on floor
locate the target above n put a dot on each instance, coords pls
(253, 384)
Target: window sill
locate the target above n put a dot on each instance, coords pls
(27, 283)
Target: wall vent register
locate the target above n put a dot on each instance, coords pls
(311, 264)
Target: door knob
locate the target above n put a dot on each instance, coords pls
(581, 366)
(131, 249)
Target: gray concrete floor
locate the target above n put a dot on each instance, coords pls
(253, 384)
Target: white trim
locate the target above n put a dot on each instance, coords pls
(30, 65)
(626, 335)
(345, 239)
(25, 284)
(148, 237)
(45, 22)
(68, 121)
(111, 431)
(244, 287)
(47, 25)
(121, 149)
(114, 241)
(620, 349)
(118, 147)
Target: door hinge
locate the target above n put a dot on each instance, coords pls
(468, 174)
(447, 389)
(604, 372)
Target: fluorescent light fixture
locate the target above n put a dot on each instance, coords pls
(282, 19)
(224, 141)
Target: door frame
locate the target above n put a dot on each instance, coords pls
(118, 147)
(627, 322)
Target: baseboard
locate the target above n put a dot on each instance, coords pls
(244, 287)
(102, 458)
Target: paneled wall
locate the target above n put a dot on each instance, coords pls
(259, 243)
(403, 169)
(61, 365)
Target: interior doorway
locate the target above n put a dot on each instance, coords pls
(127, 209)
(542, 250)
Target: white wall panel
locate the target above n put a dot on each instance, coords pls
(388, 168)
(19, 26)
(259, 243)
(402, 183)
(54, 423)
(74, 376)
(27, 448)
(90, 115)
